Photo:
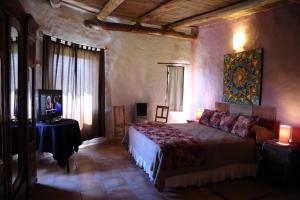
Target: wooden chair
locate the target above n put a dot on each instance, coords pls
(162, 113)
(119, 120)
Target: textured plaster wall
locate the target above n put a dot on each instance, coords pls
(277, 31)
(132, 72)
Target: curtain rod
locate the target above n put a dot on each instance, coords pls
(41, 34)
(165, 63)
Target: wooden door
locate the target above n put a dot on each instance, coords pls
(30, 60)
(5, 177)
(13, 19)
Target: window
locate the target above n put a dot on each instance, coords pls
(175, 83)
(79, 73)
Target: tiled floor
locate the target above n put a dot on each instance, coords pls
(106, 171)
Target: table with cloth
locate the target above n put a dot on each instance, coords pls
(61, 138)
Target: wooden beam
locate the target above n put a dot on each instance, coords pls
(73, 4)
(109, 7)
(55, 3)
(81, 6)
(84, 7)
(136, 29)
(236, 10)
(162, 8)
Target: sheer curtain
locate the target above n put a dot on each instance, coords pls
(175, 88)
(87, 90)
(76, 72)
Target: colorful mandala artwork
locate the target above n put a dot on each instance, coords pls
(242, 77)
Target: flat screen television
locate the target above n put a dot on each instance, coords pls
(141, 109)
(50, 104)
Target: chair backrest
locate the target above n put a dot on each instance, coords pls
(162, 113)
(119, 120)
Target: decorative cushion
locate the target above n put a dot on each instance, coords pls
(205, 118)
(227, 122)
(243, 125)
(216, 119)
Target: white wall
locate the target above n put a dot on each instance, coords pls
(132, 72)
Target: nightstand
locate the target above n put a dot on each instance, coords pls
(281, 163)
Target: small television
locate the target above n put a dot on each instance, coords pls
(141, 109)
(50, 104)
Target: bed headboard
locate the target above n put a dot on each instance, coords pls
(266, 114)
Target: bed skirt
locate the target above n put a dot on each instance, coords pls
(213, 175)
(141, 162)
(201, 177)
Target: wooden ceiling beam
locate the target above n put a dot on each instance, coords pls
(73, 4)
(84, 7)
(236, 10)
(155, 13)
(109, 7)
(136, 29)
(55, 3)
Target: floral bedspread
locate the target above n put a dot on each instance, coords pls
(179, 150)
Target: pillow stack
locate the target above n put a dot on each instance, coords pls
(215, 120)
(227, 122)
(205, 118)
(240, 125)
(244, 125)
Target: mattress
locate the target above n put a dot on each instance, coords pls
(224, 155)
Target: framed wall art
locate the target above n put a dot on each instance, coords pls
(243, 77)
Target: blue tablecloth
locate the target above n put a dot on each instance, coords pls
(61, 138)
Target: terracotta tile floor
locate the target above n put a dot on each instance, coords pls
(106, 171)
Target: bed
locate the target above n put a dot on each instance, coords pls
(188, 154)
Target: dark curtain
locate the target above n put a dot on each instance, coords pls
(101, 86)
(80, 73)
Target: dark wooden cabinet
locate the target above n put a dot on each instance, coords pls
(17, 62)
(30, 60)
(281, 163)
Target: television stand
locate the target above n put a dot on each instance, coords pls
(14, 121)
(63, 137)
(53, 120)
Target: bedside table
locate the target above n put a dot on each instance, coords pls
(281, 163)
